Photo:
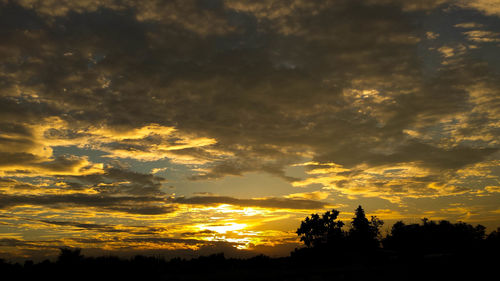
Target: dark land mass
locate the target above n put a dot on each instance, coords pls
(382, 265)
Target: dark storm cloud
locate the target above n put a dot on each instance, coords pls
(59, 165)
(244, 164)
(271, 81)
(133, 230)
(87, 226)
(113, 189)
(120, 181)
(14, 129)
(8, 159)
(99, 227)
(142, 205)
(143, 210)
(23, 109)
(13, 242)
(278, 203)
(411, 151)
(148, 241)
(132, 197)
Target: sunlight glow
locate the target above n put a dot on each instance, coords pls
(223, 228)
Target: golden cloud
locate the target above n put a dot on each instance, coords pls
(489, 7)
(315, 195)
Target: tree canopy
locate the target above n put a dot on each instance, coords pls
(320, 230)
(432, 237)
(364, 233)
(327, 230)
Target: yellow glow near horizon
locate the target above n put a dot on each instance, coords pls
(223, 228)
(245, 211)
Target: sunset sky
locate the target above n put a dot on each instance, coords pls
(186, 127)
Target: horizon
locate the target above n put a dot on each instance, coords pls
(207, 126)
(291, 251)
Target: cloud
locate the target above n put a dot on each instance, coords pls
(140, 205)
(255, 103)
(87, 226)
(189, 14)
(119, 181)
(158, 170)
(273, 203)
(489, 7)
(12, 242)
(482, 36)
(431, 35)
(447, 51)
(492, 189)
(43, 187)
(26, 163)
(468, 25)
(315, 195)
(391, 182)
(354, 89)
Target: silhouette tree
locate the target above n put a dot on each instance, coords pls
(494, 237)
(321, 230)
(434, 237)
(364, 233)
(70, 256)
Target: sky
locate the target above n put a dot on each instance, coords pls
(187, 127)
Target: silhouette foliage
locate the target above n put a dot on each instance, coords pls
(434, 237)
(364, 233)
(493, 240)
(321, 230)
(326, 231)
(70, 256)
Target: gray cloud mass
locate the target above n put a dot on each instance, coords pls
(273, 82)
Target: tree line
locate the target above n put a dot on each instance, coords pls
(325, 232)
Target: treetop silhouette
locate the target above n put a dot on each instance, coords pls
(320, 230)
(364, 233)
(326, 230)
(434, 237)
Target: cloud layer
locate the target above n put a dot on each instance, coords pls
(107, 105)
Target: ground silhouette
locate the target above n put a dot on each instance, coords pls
(431, 250)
